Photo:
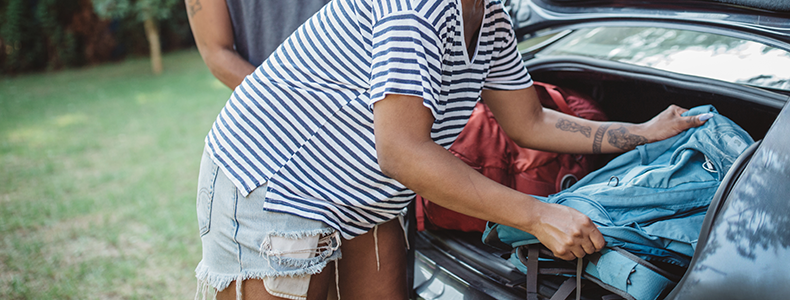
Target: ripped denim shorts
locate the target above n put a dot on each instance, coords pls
(242, 241)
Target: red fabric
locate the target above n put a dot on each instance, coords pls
(484, 146)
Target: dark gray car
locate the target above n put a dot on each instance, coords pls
(636, 58)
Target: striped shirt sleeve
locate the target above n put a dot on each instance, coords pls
(507, 68)
(406, 59)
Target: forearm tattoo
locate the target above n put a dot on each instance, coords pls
(566, 125)
(621, 138)
(193, 6)
(599, 138)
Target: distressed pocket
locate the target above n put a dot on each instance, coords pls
(296, 257)
(205, 195)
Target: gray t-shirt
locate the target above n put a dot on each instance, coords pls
(259, 26)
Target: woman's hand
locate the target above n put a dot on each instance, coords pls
(670, 122)
(568, 233)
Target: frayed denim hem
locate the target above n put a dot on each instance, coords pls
(207, 279)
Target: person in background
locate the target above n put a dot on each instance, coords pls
(319, 151)
(236, 36)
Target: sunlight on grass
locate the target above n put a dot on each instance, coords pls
(71, 119)
(43, 134)
(30, 136)
(98, 181)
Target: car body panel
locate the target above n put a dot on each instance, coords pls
(745, 254)
(735, 45)
(681, 51)
(532, 16)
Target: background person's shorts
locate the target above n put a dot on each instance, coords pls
(242, 241)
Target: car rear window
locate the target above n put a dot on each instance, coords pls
(681, 51)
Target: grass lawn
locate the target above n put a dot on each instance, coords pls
(98, 171)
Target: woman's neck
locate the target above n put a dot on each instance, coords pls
(473, 17)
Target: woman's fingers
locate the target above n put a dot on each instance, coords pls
(598, 241)
(671, 122)
(588, 247)
(568, 233)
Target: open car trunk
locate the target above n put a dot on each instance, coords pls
(457, 265)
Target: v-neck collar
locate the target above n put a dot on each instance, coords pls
(467, 59)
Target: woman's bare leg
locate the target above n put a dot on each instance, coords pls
(253, 289)
(359, 273)
(360, 278)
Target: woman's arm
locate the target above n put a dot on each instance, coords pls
(406, 153)
(213, 32)
(524, 120)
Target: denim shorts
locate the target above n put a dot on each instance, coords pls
(242, 241)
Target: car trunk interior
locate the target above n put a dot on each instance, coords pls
(626, 93)
(636, 94)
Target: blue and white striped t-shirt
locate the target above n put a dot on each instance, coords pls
(303, 121)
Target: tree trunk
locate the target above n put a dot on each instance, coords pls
(152, 33)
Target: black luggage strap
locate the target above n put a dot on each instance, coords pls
(565, 289)
(533, 269)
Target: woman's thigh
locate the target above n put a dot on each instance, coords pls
(254, 289)
(374, 264)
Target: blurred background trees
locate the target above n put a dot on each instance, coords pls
(38, 35)
(149, 12)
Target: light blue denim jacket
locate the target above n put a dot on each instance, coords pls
(652, 200)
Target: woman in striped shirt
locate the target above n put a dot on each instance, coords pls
(321, 149)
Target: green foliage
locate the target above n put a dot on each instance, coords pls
(62, 43)
(53, 34)
(21, 39)
(37, 35)
(138, 9)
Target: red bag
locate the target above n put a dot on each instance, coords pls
(529, 171)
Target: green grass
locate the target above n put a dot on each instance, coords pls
(98, 171)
